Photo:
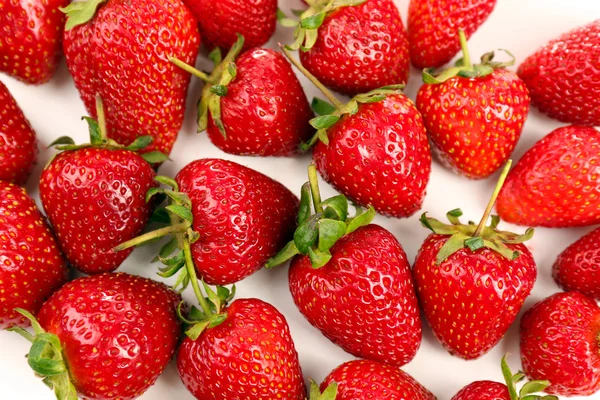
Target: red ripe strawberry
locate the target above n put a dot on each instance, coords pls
(27, 249)
(474, 114)
(433, 26)
(577, 268)
(559, 343)
(18, 142)
(563, 76)
(555, 182)
(30, 38)
(472, 281)
(107, 336)
(122, 55)
(483, 390)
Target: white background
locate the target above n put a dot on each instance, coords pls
(55, 109)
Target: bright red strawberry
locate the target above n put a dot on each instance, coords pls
(483, 390)
(122, 55)
(563, 77)
(18, 142)
(555, 182)
(31, 266)
(472, 281)
(433, 27)
(107, 336)
(559, 343)
(474, 114)
(30, 38)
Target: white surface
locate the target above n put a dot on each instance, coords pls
(54, 109)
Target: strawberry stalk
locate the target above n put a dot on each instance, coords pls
(490, 206)
(528, 390)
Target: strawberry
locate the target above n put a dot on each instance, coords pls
(107, 336)
(433, 24)
(563, 77)
(121, 53)
(18, 141)
(31, 266)
(351, 280)
(30, 38)
(254, 105)
(555, 182)
(559, 343)
(472, 280)
(577, 267)
(474, 114)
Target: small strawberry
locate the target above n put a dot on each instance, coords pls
(559, 343)
(18, 142)
(472, 280)
(432, 27)
(119, 50)
(31, 266)
(351, 280)
(563, 76)
(107, 336)
(30, 38)
(555, 182)
(474, 114)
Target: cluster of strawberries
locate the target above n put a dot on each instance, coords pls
(110, 335)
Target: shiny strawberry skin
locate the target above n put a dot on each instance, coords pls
(118, 333)
(563, 77)
(243, 218)
(433, 28)
(250, 356)
(95, 200)
(554, 184)
(363, 299)
(483, 390)
(122, 55)
(559, 343)
(360, 48)
(471, 299)
(364, 379)
(383, 145)
(265, 111)
(31, 265)
(475, 123)
(18, 141)
(30, 38)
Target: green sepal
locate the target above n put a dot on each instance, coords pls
(140, 143)
(155, 157)
(528, 390)
(335, 207)
(330, 393)
(304, 208)
(94, 129)
(321, 107)
(284, 20)
(62, 141)
(362, 219)
(80, 12)
(181, 211)
(307, 233)
(330, 231)
(289, 251)
(167, 181)
(318, 258)
(324, 121)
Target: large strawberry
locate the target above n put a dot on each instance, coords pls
(433, 27)
(121, 53)
(351, 280)
(31, 266)
(472, 280)
(563, 76)
(559, 343)
(30, 38)
(555, 183)
(107, 336)
(18, 142)
(474, 114)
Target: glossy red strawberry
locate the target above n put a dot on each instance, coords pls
(433, 27)
(30, 38)
(559, 343)
(555, 182)
(18, 141)
(122, 55)
(483, 390)
(474, 114)
(31, 266)
(563, 77)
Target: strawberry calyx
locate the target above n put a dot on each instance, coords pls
(528, 390)
(80, 12)
(330, 393)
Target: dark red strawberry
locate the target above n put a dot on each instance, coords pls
(559, 343)
(107, 336)
(563, 77)
(18, 142)
(31, 266)
(433, 27)
(121, 53)
(474, 114)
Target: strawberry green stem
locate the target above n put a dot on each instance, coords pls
(188, 68)
(492, 201)
(466, 60)
(101, 117)
(191, 270)
(314, 188)
(181, 227)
